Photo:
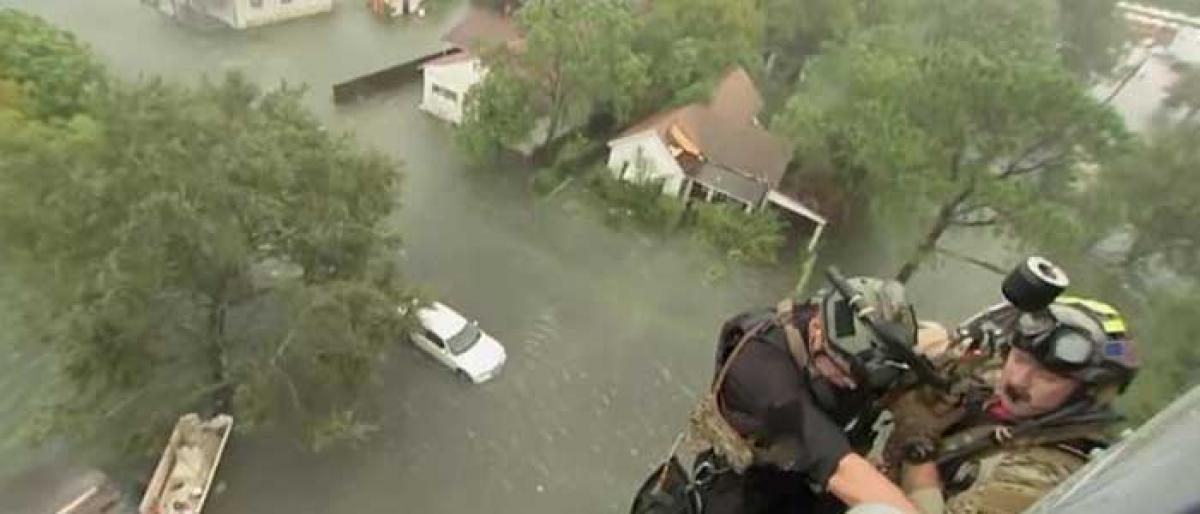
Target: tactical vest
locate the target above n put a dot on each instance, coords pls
(1010, 471)
(709, 426)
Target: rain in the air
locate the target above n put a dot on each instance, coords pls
(599, 256)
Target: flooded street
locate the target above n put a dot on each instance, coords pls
(608, 333)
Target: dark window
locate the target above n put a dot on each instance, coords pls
(433, 338)
(445, 93)
(257, 4)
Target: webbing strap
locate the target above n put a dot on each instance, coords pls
(786, 311)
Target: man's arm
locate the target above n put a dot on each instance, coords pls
(923, 485)
(856, 481)
(1011, 481)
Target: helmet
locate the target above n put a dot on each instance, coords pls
(850, 338)
(1082, 338)
(885, 299)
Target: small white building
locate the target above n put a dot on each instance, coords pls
(243, 14)
(448, 78)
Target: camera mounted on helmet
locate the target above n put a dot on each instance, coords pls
(1076, 337)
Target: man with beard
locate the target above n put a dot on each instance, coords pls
(1046, 405)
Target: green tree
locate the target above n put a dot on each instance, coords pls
(198, 249)
(691, 43)
(963, 106)
(577, 55)
(1184, 93)
(1170, 359)
(1092, 33)
(1153, 191)
(54, 70)
(498, 113)
(796, 29)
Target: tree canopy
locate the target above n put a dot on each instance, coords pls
(206, 248)
(1184, 93)
(53, 69)
(498, 113)
(691, 43)
(575, 56)
(1092, 34)
(963, 105)
(796, 29)
(1153, 191)
(578, 58)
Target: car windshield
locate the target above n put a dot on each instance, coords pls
(464, 339)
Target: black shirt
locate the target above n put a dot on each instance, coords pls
(767, 398)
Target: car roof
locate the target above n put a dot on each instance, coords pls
(441, 319)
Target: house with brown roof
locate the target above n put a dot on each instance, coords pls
(448, 78)
(714, 151)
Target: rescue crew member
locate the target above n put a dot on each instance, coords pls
(787, 388)
(1052, 383)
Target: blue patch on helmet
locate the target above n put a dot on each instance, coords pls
(1114, 349)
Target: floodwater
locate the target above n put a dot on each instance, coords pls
(609, 334)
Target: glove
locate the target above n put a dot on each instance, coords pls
(920, 416)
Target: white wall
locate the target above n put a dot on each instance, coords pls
(457, 77)
(656, 161)
(252, 13)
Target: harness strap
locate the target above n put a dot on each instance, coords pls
(720, 379)
(983, 438)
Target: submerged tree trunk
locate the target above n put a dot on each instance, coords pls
(222, 394)
(943, 221)
(556, 114)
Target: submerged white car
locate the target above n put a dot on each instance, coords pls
(458, 343)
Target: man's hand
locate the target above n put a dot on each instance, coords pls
(920, 416)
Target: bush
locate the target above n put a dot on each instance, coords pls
(751, 238)
(566, 165)
(546, 180)
(640, 202)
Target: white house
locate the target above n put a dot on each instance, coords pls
(714, 151)
(243, 14)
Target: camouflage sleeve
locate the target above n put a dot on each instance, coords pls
(1012, 480)
(928, 500)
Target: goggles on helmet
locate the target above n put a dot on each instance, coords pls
(1058, 346)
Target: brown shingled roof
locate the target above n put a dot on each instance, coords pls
(726, 131)
(735, 97)
(482, 27)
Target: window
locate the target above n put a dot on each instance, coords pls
(285, 2)
(464, 339)
(445, 93)
(257, 4)
(433, 338)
